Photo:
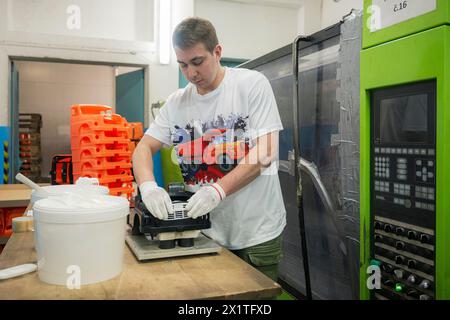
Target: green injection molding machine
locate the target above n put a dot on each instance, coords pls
(405, 150)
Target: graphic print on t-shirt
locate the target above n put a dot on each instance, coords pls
(207, 151)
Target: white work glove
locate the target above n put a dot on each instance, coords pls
(205, 200)
(156, 199)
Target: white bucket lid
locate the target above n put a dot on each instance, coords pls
(58, 189)
(100, 208)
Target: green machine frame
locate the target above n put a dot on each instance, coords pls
(409, 52)
(429, 20)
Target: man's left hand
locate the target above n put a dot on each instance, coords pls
(205, 200)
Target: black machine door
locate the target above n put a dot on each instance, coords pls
(279, 73)
(333, 256)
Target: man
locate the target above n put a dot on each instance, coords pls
(221, 108)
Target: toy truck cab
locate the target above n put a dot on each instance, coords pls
(212, 148)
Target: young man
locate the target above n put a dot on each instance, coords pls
(230, 116)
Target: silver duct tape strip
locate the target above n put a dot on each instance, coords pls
(347, 141)
(348, 97)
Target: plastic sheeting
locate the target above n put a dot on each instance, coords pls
(328, 111)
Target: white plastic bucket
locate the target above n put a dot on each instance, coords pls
(61, 189)
(79, 246)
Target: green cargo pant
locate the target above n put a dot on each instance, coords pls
(264, 257)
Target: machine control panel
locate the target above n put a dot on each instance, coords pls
(404, 178)
(406, 255)
(403, 190)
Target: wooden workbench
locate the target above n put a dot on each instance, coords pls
(214, 276)
(15, 195)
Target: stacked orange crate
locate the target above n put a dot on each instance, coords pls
(137, 132)
(101, 148)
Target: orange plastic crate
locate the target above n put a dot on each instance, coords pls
(98, 117)
(122, 191)
(86, 141)
(107, 176)
(88, 110)
(100, 135)
(99, 114)
(93, 126)
(102, 164)
(120, 185)
(99, 151)
(137, 130)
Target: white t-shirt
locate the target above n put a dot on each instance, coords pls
(241, 109)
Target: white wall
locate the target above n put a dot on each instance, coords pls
(51, 89)
(332, 12)
(316, 15)
(105, 36)
(32, 28)
(108, 19)
(249, 30)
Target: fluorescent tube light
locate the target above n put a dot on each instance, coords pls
(165, 10)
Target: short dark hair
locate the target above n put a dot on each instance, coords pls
(195, 30)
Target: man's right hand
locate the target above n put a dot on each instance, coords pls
(156, 199)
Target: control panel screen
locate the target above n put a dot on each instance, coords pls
(405, 115)
(404, 119)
